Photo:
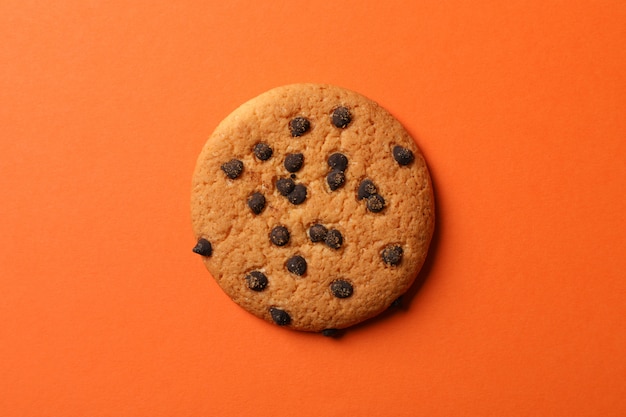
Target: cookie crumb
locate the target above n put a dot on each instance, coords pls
(296, 265)
(257, 281)
(293, 162)
(262, 151)
(280, 317)
(232, 168)
(403, 156)
(341, 117)
(256, 202)
(341, 288)
(299, 126)
(279, 236)
(203, 247)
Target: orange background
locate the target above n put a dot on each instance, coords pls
(519, 107)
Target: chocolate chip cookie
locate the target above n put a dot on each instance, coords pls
(312, 207)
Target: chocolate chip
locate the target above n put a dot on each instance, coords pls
(257, 281)
(262, 151)
(341, 117)
(403, 156)
(279, 236)
(296, 265)
(375, 203)
(256, 202)
(366, 189)
(341, 288)
(293, 162)
(331, 332)
(338, 161)
(285, 186)
(298, 195)
(292, 176)
(299, 126)
(335, 179)
(233, 168)
(392, 255)
(317, 233)
(280, 317)
(333, 239)
(203, 247)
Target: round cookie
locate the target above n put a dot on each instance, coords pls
(312, 207)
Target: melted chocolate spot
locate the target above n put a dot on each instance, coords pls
(317, 233)
(285, 186)
(335, 179)
(203, 247)
(366, 189)
(341, 117)
(392, 255)
(262, 151)
(338, 161)
(341, 288)
(257, 281)
(298, 195)
(280, 317)
(279, 236)
(256, 202)
(375, 203)
(403, 156)
(293, 162)
(333, 239)
(233, 168)
(296, 265)
(299, 126)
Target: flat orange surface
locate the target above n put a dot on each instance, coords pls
(518, 106)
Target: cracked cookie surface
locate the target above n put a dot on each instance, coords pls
(317, 207)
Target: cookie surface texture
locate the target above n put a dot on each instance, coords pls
(357, 173)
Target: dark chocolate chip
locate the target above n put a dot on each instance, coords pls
(397, 303)
(335, 179)
(203, 247)
(317, 233)
(331, 332)
(292, 176)
(341, 288)
(285, 186)
(257, 281)
(333, 239)
(403, 156)
(366, 189)
(279, 236)
(256, 202)
(280, 317)
(338, 161)
(298, 195)
(233, 168)
(375, 203)
(262, 151)
(341, 117)
(392, 255)
(293, 162)
(299, 126)
(296, 265)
